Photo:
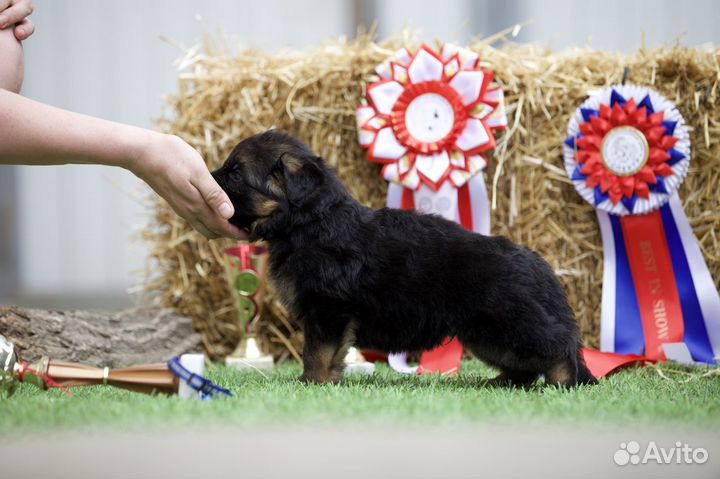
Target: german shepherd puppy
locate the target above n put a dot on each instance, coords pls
(395, 280)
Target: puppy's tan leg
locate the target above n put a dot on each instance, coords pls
(325, 360)
(317, 360)
(563, 373)
(337, 365)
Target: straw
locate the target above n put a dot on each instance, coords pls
(225, 97)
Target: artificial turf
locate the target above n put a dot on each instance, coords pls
(636, 396)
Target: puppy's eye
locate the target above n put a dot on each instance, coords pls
(275, 171)
(235, 170)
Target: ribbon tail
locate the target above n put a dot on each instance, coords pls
(445, 359)
(465, 207)
(480, 204)
(408, 199)
(627, 330)
(395, 194)
(698, 295)
(399, 197)
(399, 362)
(655, 281)
(658, 297)
(607, 308)
(602, 363)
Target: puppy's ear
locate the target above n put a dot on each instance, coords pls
(301, 176)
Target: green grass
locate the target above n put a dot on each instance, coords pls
(636, 396)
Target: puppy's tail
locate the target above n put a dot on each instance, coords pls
(584, 376)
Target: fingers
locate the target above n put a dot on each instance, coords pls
(207, 221)
(231, 231)
(216, 226)
(210, 226)
(202, 229)
(213, 195)
(15, 13)
(24, 29)
(219, 207)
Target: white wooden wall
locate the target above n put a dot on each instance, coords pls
(76, 224)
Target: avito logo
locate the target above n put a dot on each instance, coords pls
(629, 453)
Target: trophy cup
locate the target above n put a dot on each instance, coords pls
(246, 270)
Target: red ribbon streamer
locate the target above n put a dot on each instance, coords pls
(49, 381)
(602, 363)
(654, 279)
(408, 199)
(445, 359)
(465, 207)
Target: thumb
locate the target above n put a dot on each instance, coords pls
(213, 195)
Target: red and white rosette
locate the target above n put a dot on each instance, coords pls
(627, 154)
(428, 118)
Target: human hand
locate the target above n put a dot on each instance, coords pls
(15, 13)
(177, 172)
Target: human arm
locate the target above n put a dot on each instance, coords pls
(32, 133)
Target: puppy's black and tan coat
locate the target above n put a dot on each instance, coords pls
(395, 280)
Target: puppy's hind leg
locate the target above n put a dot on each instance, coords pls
(562, 373)
(584, 376)
(512, 372)
(513, 377)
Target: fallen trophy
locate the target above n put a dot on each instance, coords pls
(181, 375)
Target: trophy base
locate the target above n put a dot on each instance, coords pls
(360, 368)
(262, 362)
(248, 355)
(355, 362)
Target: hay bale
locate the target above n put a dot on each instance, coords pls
(224, 98)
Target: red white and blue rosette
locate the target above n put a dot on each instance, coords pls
(627, 154)
(428, 118)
